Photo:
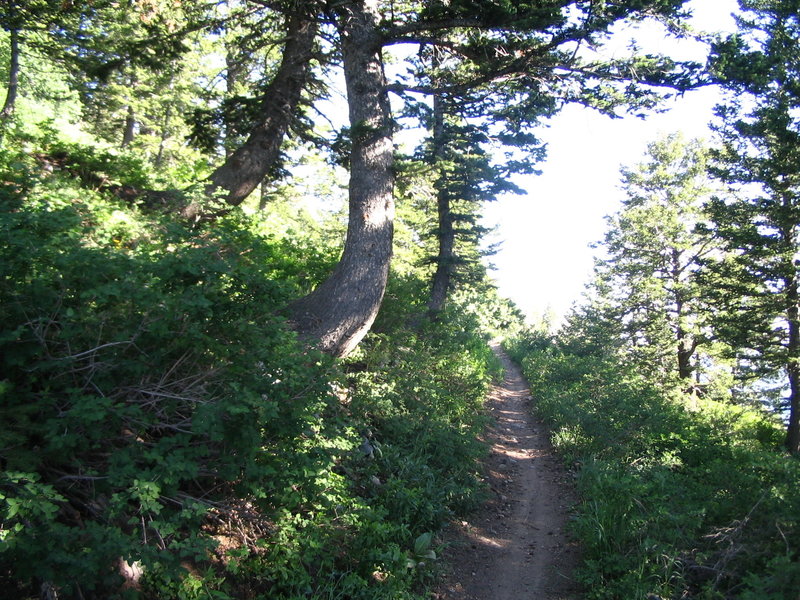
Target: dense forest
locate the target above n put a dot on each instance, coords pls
(246, 307)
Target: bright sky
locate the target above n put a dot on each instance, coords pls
(545, 259)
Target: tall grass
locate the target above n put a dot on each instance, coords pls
(680, 496)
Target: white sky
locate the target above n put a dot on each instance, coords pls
(545, 260)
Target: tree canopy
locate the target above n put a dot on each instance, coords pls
(243, 344)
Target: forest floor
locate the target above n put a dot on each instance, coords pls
(516, 546)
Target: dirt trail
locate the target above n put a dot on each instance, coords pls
(515, 547)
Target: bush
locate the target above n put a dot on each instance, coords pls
(160, 420)
(681, 496)
(145, 386)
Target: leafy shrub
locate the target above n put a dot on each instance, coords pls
(144, 384)
(96, 167)
(681, 496)
(160, 420)
(419, 395)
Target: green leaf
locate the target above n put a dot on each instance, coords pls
(423, 543)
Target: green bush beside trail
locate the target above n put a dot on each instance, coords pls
(680, 496)
(158, 416)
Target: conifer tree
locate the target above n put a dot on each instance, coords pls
(464, 177)
(340, 311)
(648, 278)
(756, 285)
(247, 165)
(513, 64)
(43, 25)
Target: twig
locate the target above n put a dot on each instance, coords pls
(95, 350)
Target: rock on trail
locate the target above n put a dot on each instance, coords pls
(516, 546)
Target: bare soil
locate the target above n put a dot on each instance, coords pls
(515, 547)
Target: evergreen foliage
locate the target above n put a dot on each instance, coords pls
(686, 490)
(646, 287)
(755, 286)
(165, 433)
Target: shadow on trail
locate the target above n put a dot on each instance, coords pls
(516, 546)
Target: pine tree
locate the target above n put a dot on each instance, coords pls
(277, 108)
(648, 278)
(464, 177)
(340, 311)
(513, 64)
(758, 220)
(37, 25)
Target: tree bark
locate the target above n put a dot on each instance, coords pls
(233, 74)
(338, 313)
(793, 367)
(685, 345)
(793, 429)
(685, 353)
(129, 131)
(13, 82)
(247, 166)
(162, 144)
(446, 235)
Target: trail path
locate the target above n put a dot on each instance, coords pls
(515, 547)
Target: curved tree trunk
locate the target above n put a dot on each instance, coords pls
(246, 167)
(341, 310)
(234, 70)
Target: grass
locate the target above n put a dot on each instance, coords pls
(681, 497)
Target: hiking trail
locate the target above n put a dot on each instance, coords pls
(515, 547)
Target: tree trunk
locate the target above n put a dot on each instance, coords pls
(793, 368)
(13, 82)
(130, 128)
(162, 144)
(685, 345)
(793, 430)
(244, 169)
(338, 314)
(233, 74)
(446, 235)
(685, 353)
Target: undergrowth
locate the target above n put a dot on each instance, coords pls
(164, 435)
(681, 496)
